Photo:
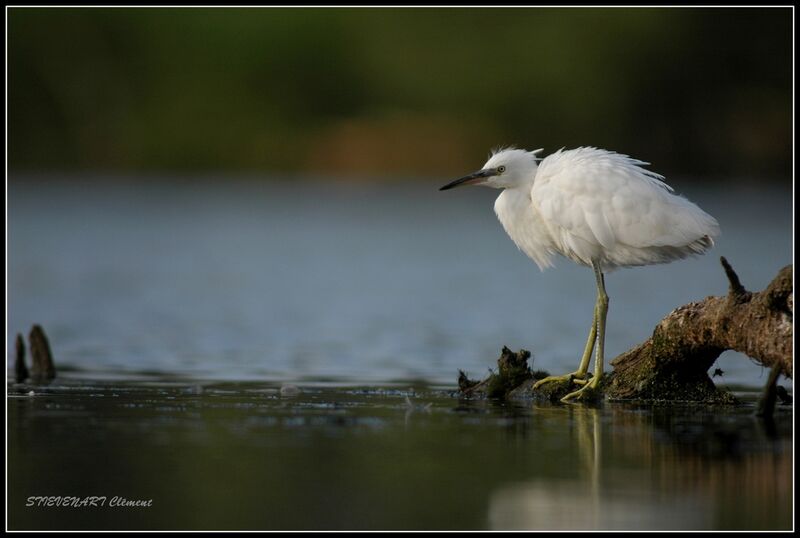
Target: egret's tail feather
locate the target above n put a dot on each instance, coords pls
(702, 245)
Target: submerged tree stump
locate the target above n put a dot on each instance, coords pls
(43, 369)
(512, 376)
(20, 370)
(673, 364)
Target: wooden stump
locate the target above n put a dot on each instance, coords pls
(42, 367)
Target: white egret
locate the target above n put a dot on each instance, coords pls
(599, 209)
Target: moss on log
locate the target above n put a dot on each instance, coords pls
(674, 362)
(513, 373)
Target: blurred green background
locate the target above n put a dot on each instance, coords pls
(391, 91)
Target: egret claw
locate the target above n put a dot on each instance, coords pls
(574, 377)
(589, 392)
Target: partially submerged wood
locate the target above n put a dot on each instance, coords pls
(513, 373)
(20, 370)
(42, 367)
(673, 364)
(766, 405)
(512, 379)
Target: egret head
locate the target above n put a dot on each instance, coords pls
(506, 168)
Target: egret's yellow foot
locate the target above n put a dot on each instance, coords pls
(589, 392)
(574, 377)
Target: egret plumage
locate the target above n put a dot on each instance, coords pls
(598, 208)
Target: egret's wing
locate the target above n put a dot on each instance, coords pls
(600, 204)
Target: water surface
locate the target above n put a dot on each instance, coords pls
(231, 455)
(248, 280)
(177, 310)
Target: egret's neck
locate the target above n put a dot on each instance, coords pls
(512, 203)
(522, 222)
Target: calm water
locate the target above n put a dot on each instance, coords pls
(242, 456)
(301, 280)
(177, 310)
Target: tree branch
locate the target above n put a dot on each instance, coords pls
(674, 361)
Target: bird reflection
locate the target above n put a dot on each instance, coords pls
(588, 501)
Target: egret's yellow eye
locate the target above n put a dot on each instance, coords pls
(501, 169)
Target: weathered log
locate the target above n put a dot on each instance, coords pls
(512, 373)
(20, 370)
(766, 404)
(42, 367)
(673, 363)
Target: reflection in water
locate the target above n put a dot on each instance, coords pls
(244, 456)
(580, 503)
(569, 506)
(674, 474)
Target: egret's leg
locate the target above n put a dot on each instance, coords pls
(578, 375)
(583, 368)
(589, 390)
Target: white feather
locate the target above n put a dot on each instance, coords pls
(593, 205)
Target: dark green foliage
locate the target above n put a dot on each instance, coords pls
(690, 90)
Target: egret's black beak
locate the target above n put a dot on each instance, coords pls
(472, 179)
